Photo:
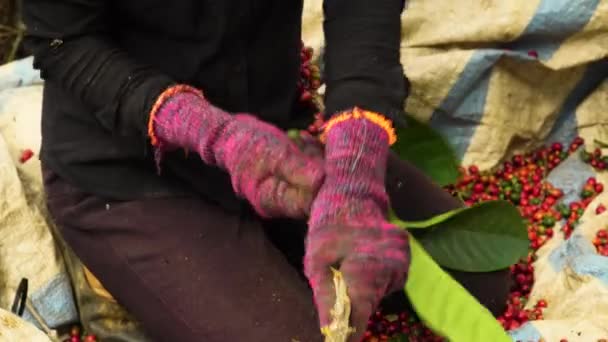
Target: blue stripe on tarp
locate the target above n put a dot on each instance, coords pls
(593, 265)
(570, 176)
(458, 116)
(580, 255)
(19, 73)
(572, 248)
(565, 127)
(461, 111)
(553, 22)
(527, 333)
(54, 303)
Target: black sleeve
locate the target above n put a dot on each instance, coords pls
(362, 56)
(72, 46)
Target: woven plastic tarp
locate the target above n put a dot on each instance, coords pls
(58, 281)
(27, 247)
(13, 328)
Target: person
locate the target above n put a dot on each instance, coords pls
(168, 172)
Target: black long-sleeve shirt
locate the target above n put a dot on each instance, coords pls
(104, 63)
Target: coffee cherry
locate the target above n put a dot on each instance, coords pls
(75, 331)
(26, 155)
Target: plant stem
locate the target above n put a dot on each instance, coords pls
(15, 46)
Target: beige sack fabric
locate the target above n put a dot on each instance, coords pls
(14, 329)
(27, 247)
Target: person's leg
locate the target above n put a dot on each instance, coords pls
(186, 269)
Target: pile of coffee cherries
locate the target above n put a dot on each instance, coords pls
(308, 85)
(522, 181)
(405, 327)
(601, 242)
(310, 76)
(77, 335)
(596, 159)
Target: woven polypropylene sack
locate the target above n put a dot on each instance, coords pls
(13, 329)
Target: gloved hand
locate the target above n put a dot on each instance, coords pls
(348, 228)
(309, 144)
(265, 166)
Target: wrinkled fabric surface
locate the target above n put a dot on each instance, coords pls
(27, 247)
(14, 328)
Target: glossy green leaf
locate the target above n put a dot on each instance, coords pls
(445, 306)
(419, 144)
(486, 237)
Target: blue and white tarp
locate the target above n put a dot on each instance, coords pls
(502, 77)
(27, 247)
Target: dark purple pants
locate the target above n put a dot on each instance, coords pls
(190, 271)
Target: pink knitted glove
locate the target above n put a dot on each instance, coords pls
(348, 229)
(310, 145)
(265, 166)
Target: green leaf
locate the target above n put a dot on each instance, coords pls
(487, 237)
(445, 306)
(427, 150)
(433, 221)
